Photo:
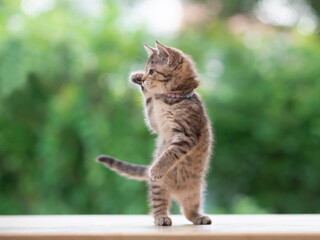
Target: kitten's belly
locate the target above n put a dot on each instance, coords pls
(188, 171)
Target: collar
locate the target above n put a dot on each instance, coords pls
(178, 96)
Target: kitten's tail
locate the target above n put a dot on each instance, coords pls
(133, 171)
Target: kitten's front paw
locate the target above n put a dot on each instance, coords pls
(156, 173)
(136, 78)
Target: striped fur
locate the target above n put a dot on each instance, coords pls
(184, 142)
(137, 172)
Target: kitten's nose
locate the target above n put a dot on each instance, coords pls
(144, 78)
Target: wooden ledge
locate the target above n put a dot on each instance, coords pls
(135, 227)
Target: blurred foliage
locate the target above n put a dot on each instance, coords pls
(65, 99)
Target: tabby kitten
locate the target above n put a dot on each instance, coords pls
(177, 115)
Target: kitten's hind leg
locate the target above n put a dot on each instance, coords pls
(159, 200)
(190, 201)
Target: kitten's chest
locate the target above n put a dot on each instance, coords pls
(163, 116)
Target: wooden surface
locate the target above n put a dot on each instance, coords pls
(134, 227)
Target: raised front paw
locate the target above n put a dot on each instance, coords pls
(136, 78)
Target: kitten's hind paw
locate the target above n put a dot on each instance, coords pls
(203, 220)
(136, 78)
(163, 221)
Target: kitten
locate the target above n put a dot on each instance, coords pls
(177, 115)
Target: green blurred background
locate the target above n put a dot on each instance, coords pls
(65, 99)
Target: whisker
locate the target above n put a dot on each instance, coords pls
(140, 58)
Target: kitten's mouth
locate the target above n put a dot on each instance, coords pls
(147, 86)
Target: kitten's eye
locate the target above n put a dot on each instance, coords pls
(151, 71)
(152, 62)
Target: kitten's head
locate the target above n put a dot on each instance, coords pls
(169, 70)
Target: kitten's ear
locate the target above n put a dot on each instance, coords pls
(149, 50)
(164, 51)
